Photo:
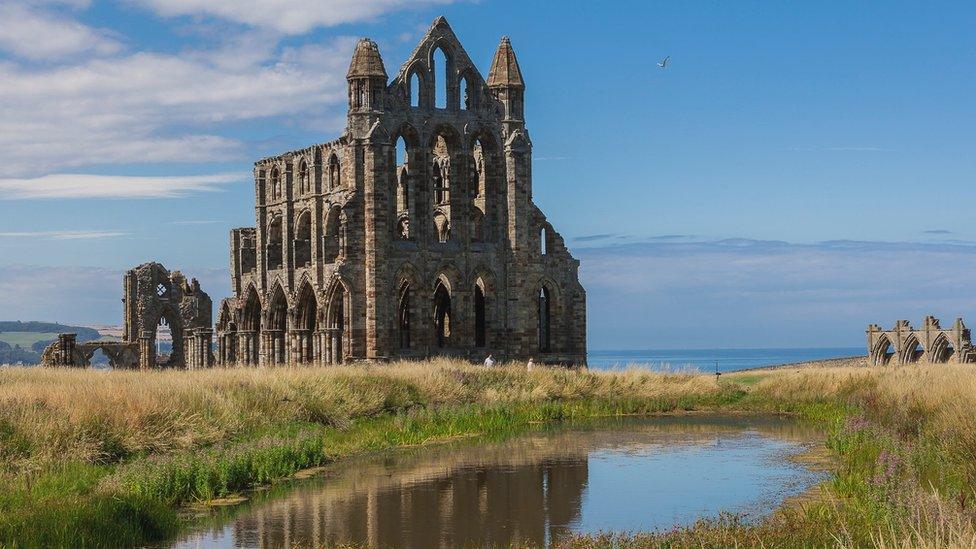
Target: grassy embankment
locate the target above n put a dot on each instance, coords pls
(96, 458)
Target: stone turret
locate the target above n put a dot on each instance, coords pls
(505, 81)
(366, 77)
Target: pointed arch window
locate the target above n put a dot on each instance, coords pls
(440, 63)
(480, 320)
(414, 90)
(303, 240)
(404, 317)
(275, 184)
(335, 173)
(305, 181)
(274, 243)
(545, 320)
(442, 316)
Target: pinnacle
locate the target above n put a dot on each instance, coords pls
(505, 69)
(366, 60)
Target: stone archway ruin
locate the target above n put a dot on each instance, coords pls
(152, 295)
(903, 344)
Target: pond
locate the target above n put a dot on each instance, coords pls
(634, 474)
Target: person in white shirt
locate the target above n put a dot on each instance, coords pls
(490, 361)
(530, 365)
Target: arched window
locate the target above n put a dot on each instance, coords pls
(544, 241)
(414, 90)
(545, 320)
(278, 324)
(440, 80)
(303, 240)
(477, 225)
(441, 171)
(442, 315)
(332, 240)
(480, 324)
(305, 182)
(275, 184)
(404, 317)
(335, 173)
(442, 226)
(307, 322)
(274, 243)
(336, 322)
(464, 94)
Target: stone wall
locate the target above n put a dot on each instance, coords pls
(414, 234)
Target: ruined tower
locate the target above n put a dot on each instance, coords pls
(413, 234)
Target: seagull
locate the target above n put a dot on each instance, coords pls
(664, 62)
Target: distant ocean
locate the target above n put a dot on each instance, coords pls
(728, 360)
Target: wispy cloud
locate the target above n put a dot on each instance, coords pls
(938, 231)
(740, 292)
(64, 235)
(593, 237)
(79, 295)
(551, 158)
(38, 34)
(285, 16)
(59, 186)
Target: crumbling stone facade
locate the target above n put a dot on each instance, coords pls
(903, 344)
(153, 296)
(413, 234)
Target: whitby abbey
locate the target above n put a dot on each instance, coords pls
(413, 234)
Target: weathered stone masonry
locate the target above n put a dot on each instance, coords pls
(413, 234)
(903, 344)
(153, 296)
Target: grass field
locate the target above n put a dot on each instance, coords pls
(26, 339)
(95, 458)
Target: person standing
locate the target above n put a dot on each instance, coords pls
(490, 361)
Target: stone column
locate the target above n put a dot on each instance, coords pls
(66, 344)
(204, 343)
(147, 351)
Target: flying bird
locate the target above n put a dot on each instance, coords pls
(664, 62)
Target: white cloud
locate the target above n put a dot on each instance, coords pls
(113, 186)
(43, 35)
(64, 235)
(80, 295)
(152, 107)
(748, 293)
(285, 16)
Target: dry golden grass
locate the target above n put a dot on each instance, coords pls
(99, 416)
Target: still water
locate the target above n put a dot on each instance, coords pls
(705, 360)
(620, 475)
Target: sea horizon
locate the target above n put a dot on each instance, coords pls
(705, 360)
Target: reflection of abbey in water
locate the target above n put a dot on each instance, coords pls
(467, 506)
(412, 234)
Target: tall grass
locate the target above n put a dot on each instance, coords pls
(93, 457)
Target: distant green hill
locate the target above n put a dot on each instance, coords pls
(23, 342)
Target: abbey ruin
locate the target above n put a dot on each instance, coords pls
(153, 296)
(413, 234)
(903, 344)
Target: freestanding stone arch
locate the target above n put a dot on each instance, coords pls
(903, 344)
(152, 295)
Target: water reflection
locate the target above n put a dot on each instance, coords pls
(634, 474)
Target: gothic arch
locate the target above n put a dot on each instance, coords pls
(338, 324)
(302, 252)
(910, 351)
(942, 349)
(334, 172)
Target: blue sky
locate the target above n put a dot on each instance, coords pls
(798, 171)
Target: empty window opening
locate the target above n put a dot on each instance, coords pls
(545, 310)
(442, 316)
(403, 317)
(414, 90)
(440, 80)
(480, 326)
